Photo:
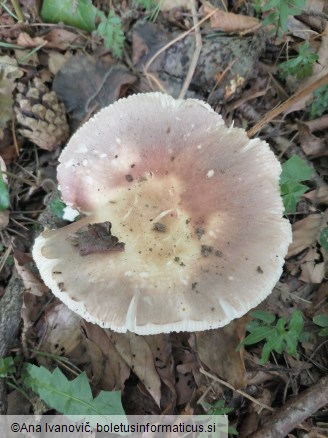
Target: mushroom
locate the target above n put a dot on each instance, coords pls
(183, 226)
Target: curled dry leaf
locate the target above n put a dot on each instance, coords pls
(217, 350)
(62, 334)
(229, 22)
(55, 39)
(318, 196)
(304, 234)
(312, 271)
(312, 146)
(138, 356)
(109, 370)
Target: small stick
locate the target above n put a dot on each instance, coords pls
(239, 391)
(296, 410)
(198, 48)
(286, 104)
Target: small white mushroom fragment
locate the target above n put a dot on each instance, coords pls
(176, 236)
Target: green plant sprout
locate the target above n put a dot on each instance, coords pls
(319, 104)
(302, 65)
(83, 15)
(279, 336)
(279, 11)
(218, 408)
(322, 321)
(110, 28)
(294, 171)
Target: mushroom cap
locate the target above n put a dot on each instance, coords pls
(196, 210)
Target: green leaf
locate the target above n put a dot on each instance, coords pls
(296, 323)
(7, 366)
(110, 29)
(295, 169)
(320, 102)
(258, 335)
(263, 316)
(57, 207)
(323, 239)
(321, 320)
(71, 397)
(77, 13)
(4, 194)
(324, 332)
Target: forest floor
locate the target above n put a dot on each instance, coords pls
(262, 65)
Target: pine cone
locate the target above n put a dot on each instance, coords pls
(41, 115)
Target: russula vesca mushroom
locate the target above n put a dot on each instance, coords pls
(183, 227)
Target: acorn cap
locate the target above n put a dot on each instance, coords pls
(184, 228)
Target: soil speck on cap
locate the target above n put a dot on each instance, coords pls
(206, 250)
(129, 178)
(158, 226)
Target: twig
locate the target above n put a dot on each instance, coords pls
(175, 40)
(313, 13)
(10, 318)
(18, 10)
(198, 48)
(286, 104)
(239, 391)
(295, 411)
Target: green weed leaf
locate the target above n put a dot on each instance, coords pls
(7, 366)
(319, 105)
(300, 66)
(322, 321)
(263, 316)
(71, 397)
(110, 28)
(77, 13)
(4, 195)
(57, 207)
(293, 172)
(276, 335)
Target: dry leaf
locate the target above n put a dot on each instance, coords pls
(304, 234)
(318, 196)
(25, 40)
(62, 332)
(138, 356)
(108, 368)
(31, 283)
(311, 271)
(217, 350)
(57, 60)
(167, 5)
(312, 146)
(229, 22)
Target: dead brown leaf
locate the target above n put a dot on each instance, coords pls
(138, 356)
(55, 39)
(31, 283)
(312, 146)
(217, 350)
(304, 234)
(311, 270)
(62, 335)
(229, 22)
(109, 370)
(25, 40)
(86, 85)
(318, 196)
